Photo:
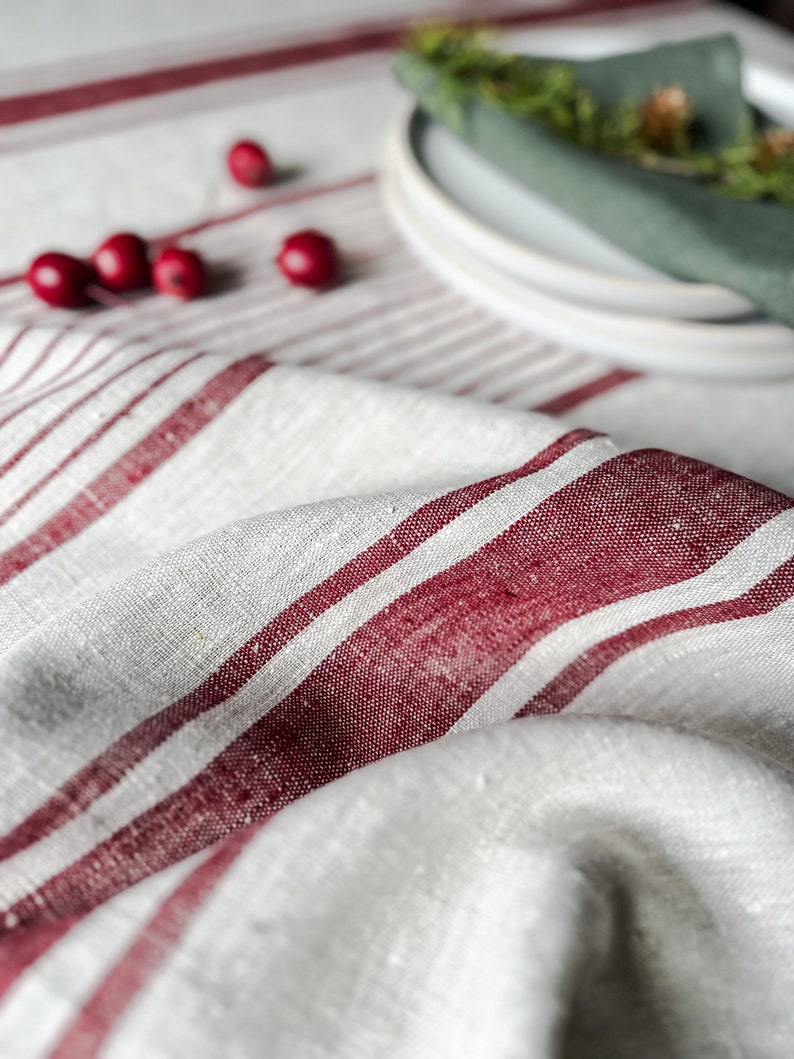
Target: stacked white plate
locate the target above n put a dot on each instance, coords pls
(531, 263)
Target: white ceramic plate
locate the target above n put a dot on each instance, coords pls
(750, 348)
(532, 240)
(524, 235)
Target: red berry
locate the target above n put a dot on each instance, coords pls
(122, 262)
(179, 272)
(60, 280)
(250, 164)
(309, 259)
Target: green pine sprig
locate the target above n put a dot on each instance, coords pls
(653, 134)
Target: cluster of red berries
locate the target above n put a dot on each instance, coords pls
(122, 263)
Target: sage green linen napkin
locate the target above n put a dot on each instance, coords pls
(677, 225)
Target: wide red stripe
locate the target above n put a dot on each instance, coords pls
(769, 593)
(115, 483)
(34, 106)
(84, 1036)
(409, 673)
(564, 402)
(109, 767)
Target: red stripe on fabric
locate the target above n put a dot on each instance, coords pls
(769, 593)
(44, 391)
(115, 483)
(586, 392)
(410, 672)
(109, 767)
(35, 106)
(272, 202)
(87, 442)
(203, 333)
(492, 358)
(221, 324)
(435, 650)
(22, 947)
(37, 363)
(48, 428)
(427, 351)
(447, 371)
(555, 371)
(14, 343)
(528, 355)
(85, 1035)
(417, 304)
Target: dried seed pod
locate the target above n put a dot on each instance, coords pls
(665, 117)
(771, 147)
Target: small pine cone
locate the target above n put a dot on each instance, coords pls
(773, 145)
(665, 117)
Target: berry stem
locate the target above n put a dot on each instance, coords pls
(106, 297)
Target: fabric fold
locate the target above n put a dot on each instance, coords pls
(587, 887)
(420, 565)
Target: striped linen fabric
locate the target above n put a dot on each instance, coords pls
(359, 696)
(252, 579)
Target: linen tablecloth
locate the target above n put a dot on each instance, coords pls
(256, 549)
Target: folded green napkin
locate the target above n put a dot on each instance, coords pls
(678, 225)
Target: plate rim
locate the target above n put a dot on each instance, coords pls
(669, 350)
(729, 303)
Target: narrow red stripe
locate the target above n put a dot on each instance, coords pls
(22, 947)
(100, 432)
(572, 398)
(769, 593)
(37, 363)
(14, 343)
(118, 481)
(484, 355)
(410, 672)
(45, 391)
(203, 333)
(274, 201)
(61, 418)
(525, 385)
(348, 42)
(427, 349)
(109, 767)
(400, 300)
(208, 315)
(85, 1035)
(529, 356)
(415, 305)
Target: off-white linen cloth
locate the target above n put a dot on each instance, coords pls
(340, 716)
